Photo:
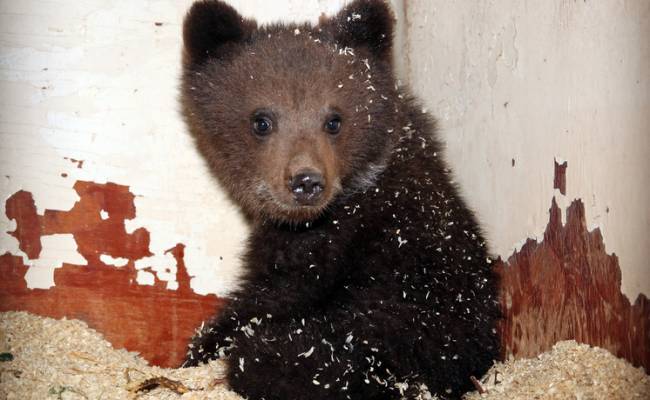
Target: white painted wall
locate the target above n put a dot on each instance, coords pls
(534, 81)
(97, 80)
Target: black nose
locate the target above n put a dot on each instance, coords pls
(307, 187)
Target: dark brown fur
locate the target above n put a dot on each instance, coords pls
(385, 277)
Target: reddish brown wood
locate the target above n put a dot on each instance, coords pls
(182, 277)
(568, 287)
(559, 181)
(21, 208)
(149, 319)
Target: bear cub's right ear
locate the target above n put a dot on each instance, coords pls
(211, 30)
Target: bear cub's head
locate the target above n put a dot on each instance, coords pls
(290, 117)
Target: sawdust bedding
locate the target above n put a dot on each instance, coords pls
(43, 358)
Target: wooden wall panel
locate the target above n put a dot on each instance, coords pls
(566, 286)
(150, 319)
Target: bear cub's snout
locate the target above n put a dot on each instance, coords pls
(307, 186)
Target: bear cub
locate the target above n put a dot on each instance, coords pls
(365, 276)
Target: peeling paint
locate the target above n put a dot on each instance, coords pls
(109, 113)
(92, 234)
(58, 249)
(145, 278)
(567, 286)
(538, 79)
(116, 262)
(160, 321)
(81, 263)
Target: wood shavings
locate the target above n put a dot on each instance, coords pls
(64, 359)
(569, 371)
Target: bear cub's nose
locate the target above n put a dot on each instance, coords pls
(307, 187)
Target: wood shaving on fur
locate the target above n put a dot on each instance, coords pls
(64, 359)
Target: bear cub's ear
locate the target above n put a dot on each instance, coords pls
(211, 30)
(366, 23)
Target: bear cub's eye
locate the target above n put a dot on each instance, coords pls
(333, 124)
(262, 125)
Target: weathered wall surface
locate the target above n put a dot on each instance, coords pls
(540, 104)
(517, 84)
(97, 81)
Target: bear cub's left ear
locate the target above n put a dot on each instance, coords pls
(366, 23)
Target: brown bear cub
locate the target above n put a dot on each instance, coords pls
(366, 276)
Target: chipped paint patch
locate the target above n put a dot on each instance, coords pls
(526, 81)
(567, 286)
(80, 263)
(116, 262)
(58, 249)
(145, 278)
